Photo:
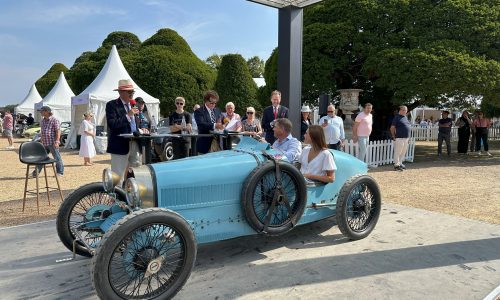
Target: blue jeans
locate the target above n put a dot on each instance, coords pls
(362, 144)
(57, 156)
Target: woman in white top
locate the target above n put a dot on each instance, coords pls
(316, 161)
(87, 132)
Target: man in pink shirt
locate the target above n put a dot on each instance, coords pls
(8, 127)
(362, 130)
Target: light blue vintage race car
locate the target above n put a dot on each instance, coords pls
(143, 237)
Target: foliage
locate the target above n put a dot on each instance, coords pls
(171, 40)
(45, 83)
(122, 40)
(421, 52)
(167, 75)
(234, 83)
(164, 66)
(256, 66)
(213, 61)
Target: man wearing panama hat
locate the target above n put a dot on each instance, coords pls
(121, 118)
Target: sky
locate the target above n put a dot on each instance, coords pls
(36, 34)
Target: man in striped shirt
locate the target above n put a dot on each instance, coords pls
(50, 133)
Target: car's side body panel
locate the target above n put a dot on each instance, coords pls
(206, 191)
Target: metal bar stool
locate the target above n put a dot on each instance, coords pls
(34, 154)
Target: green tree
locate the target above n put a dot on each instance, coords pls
(45, 83)
(234, 83)
(256, 66)
(88, 65)
(166, 67)
(400, 51)
(213, 61)
(428, 52)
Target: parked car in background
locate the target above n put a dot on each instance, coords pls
(34, 133)
(162, 147)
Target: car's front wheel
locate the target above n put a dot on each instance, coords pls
(83, 205)
(358, 207)
(148, 254)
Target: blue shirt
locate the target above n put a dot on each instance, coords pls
(403, 127)
(290, 147)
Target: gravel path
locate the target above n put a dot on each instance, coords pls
(464, 185)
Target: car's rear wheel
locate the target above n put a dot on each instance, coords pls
(168, 152)
(148, 254)
(274, 205)
(83, 205)
(358, 207)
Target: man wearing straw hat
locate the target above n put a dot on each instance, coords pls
(121, 118)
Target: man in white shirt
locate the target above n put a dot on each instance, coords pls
(333, 127)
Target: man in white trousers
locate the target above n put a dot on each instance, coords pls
(400, 132)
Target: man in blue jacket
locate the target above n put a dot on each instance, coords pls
(208, 119)
(121, 118)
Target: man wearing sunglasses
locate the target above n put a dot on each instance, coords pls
(333, 126)
(120, 117)
(208, 118)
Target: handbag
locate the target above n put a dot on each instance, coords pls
(214, 146)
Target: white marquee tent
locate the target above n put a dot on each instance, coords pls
(26, 106)
(100, 91)
(58, 99)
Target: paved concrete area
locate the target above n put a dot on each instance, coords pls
(412, 254)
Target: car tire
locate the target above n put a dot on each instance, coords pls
(137, 244)
(258, 193)
(84, 202)
(168, 152)
(358, 207)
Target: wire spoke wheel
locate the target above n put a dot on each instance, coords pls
(148, 254)
(358, 207)
(274, 205)
(146, 261)
(86, 204)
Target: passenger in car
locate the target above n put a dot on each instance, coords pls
(316, 161)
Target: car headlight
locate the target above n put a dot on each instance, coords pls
(109, 179)
(133, 192)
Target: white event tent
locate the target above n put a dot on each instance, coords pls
(58, 99)
(26, 106)
(100, 91)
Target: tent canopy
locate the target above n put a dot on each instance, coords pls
(26, 106)
(59, 100)
(100, 91)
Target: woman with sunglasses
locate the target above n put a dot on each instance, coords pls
(316, 161)
(251, 125)
(180, 121)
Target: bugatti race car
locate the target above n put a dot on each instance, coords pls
(143, 235)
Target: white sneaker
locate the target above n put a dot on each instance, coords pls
(479, 153)
(488, 153)
(10, 147)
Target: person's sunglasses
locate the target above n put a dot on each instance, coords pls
(249, 112)
(130, 92)
(179, 103)
(212, 102)
(330, 111)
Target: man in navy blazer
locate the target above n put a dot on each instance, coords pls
(120, 117)
(208, 118)
(271, 113)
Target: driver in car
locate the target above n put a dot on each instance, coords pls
(285, 142)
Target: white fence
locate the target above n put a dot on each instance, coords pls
(380, 152)
(431, 133)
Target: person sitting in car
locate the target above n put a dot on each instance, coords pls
(316, 161)
(285, 142)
